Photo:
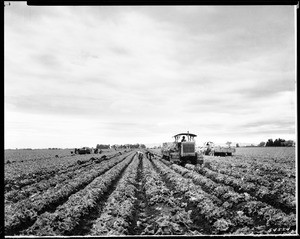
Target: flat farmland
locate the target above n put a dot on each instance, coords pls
(252, 192)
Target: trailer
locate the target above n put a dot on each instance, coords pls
(209, 148)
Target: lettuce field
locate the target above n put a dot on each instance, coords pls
(54, 193)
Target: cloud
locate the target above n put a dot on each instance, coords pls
(216, 71)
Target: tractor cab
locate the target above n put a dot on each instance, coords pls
(185, 144)
(182, 150)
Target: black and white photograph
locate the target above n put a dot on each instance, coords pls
(150, 120)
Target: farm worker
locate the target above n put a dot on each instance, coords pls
(139, 154)
(150, 155)
(183, 139)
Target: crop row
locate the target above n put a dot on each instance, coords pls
(252, 171)
(274, 219)
(33, 155)
(242, 216)
(68, 215)
(284, 156)
(25, 212)
(24, 174)
(27, 173)
(254, 166)
(230, 198)
(27, 169)
(278, 199)
(117, 214)
(276, 183)
(16, 195)
(213, 218)
(49, 180)
(168, 215)
(233, 200)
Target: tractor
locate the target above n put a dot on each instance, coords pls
(182, 151)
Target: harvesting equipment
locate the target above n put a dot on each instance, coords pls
(209, 148)
(182, 152)
(84, 150)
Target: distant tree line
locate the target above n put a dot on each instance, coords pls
(130, 146)
(122, 146)
(103, 146)
(277, 143)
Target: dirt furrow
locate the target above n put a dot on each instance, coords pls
(140, 206)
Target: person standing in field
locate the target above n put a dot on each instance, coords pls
(150, 155)
(140, 154)
(147, 154)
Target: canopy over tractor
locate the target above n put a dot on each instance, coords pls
(190, 137)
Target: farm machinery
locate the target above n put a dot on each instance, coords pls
(209, 148)
(84, 150)
(182, 152)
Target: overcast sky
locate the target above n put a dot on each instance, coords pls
(79, 76)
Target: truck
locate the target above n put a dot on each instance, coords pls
(182, 151)
(209, 148)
